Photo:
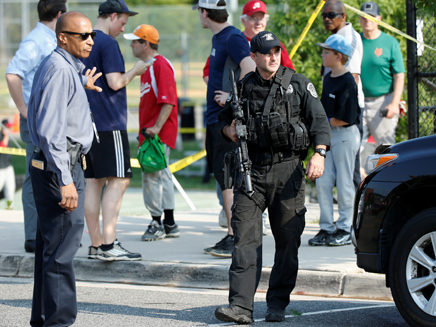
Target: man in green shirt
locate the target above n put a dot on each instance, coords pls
(382, 79)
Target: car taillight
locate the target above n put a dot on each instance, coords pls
(378, 160)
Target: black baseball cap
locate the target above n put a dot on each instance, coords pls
(370, 8)
(118, 6)
(263, 42)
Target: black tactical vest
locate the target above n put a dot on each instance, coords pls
(271, 122)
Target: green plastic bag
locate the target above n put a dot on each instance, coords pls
(151, 155)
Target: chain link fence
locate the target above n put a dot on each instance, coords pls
(426, 74)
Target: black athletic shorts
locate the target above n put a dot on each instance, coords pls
(110, 157)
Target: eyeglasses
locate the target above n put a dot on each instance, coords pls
(257, 20)
(331, 14)
(84, 36)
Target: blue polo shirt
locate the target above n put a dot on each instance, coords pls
(228, 42)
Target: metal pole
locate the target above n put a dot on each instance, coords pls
(25, 18)
(3, 47)
(185, 62)
(412, 71)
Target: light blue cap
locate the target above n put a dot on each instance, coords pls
(337, 42)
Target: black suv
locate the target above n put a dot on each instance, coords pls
(394, 225)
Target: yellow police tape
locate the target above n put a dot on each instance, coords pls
(178, 165)
(14, 151)
(190, 130)
(389, 27)
(307, 28)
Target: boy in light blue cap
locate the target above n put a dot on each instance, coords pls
(339, 98)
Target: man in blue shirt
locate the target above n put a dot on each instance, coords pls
(60, 127)
(227, 42)
(40, 42)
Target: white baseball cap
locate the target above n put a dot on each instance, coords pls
(208, 4)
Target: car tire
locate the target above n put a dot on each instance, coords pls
(412, 270)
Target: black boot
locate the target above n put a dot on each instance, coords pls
(274, 314)
(233, 313)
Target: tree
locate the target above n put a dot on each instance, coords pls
(428, 5)
(288, 23)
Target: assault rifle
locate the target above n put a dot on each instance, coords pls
(244, 162)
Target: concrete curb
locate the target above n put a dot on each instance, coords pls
(309, 282)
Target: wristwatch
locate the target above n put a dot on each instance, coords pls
(321, 152)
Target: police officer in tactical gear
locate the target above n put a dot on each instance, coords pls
(283, 116)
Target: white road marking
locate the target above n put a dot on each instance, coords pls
(318, 313)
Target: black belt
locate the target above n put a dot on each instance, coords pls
(265, 158)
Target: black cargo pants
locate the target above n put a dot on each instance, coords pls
(280, 188)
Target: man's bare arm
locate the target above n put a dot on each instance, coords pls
(394, 106)
(247, 65)
(356, 78)
(15, 86)
(119, 80)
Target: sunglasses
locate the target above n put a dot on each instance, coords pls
(331, 14)
(257, 20)
(84, 36)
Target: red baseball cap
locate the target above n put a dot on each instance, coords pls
(254, 6)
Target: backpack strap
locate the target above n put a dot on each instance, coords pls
(229, 64)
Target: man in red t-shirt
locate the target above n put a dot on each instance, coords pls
(158, 115)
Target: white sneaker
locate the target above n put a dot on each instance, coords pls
(93, 252)
(154, 232)
(118, 253)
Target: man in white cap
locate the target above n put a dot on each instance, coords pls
(213, 15)
(254, 18)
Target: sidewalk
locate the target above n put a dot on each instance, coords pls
(329, 271)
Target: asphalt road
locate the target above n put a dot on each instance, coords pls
(113, 305)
